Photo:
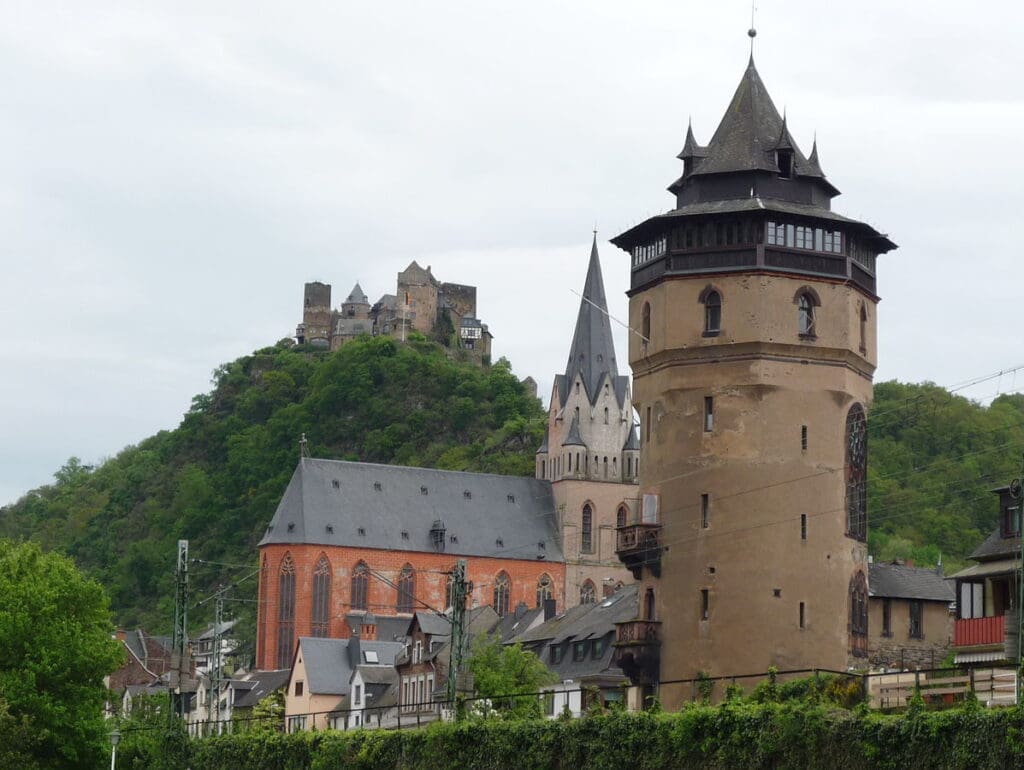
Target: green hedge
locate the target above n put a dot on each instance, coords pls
(790, 735)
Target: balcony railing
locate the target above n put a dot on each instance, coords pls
(639, 545)
(638, 650)
(968, 632)
(637, 632)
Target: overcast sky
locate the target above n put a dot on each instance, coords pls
(170, 175)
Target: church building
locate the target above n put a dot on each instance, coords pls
(756, 305)
(350, 538)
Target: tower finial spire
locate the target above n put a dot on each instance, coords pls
(752, 32)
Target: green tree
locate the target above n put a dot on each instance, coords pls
(55, 634)
(507, 670)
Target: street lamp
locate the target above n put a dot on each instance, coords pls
(115, 738)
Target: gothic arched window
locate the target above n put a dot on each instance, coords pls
(406, 589)
(543, 589)
(285, 612)
(587, 530)
(322, 597)
(805, 315)
(712, 312)
(588, 592)
(360, 586)
(859, 615)
(621, 516)
(501, 591)
(856, 473)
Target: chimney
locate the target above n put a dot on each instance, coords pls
(521, 609)
(120, 635)
(549, 609)
(368, 628)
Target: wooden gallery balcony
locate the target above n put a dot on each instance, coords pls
(639, 546)
(638, 650)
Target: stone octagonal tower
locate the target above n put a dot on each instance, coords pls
(757, 304)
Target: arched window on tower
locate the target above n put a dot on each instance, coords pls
(606, 415)
(544, 589)
(406, 589)
(322, 597)
(856, 473)
(587, 529)
(621, 516)
(863, 328)
(805, 314)
(645, 324)
(588, 592)
(712, 313)
(360, 586)
(859, 615)
(501, 591)
(285, 612)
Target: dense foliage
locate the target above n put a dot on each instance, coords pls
(217, 478)
(739, 733)
(504, 670)
(934, 459)
(55, 639)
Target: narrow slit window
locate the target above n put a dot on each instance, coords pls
(709, 414)
(803, 438)
(705, 511)
(705, 604)
(803, 616)
(803, 526)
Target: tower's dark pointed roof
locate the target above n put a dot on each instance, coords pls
(543, 449)
(632, 441)
(750, 131)
(592, 354)
(574, 438)
(813, 167)
(691, 149)
(357, 295)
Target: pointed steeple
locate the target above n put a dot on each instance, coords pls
(357, 296)
(813, 167)
(750, 130)
(574, 438)
(690, 147)
(592, 354)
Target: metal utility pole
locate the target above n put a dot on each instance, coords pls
(180, 669)
(460, 590)
(1015, 494)
(216, 664)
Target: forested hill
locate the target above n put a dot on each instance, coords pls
(217, 478)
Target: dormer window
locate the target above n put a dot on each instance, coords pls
(784, 159)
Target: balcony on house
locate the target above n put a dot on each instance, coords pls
(985, 629)
(638, 545)
(638, 649)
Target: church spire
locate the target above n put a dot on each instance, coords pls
(592, 354)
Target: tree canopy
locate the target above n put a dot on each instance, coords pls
(502, 670)
(217, 478)
(55, 634)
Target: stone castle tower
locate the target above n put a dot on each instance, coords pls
(757, 307)
(590, 451)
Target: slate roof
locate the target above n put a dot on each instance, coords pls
(328, 668)
(995, 546)
(749, 132)
(357, 295)
(389, 627)
(584, 621)
(592, 353)
(632, 441)
(433, 624)
(265, 682)
(757, 203)
(512, 625)
(543, 444)
(899, 581)
(332, 502)
(573, 438)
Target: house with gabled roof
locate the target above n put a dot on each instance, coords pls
(321, 674)
(577, 647)
(910, 624)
